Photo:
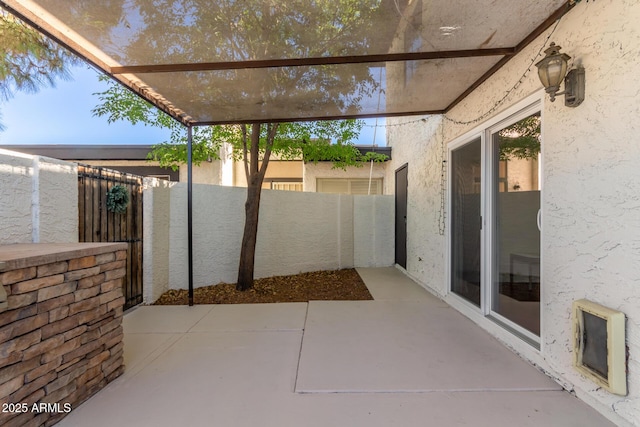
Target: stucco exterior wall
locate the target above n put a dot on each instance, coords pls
(420, 148)
(38, 199)
(298, 232)
(276, 169)
(217, 225)
(590, 197)
(373, 231)
(155, 217)
(311, 173)
(16, 187)
(205, 173)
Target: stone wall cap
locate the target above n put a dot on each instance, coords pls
(23, 255)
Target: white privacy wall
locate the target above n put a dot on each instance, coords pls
(38, 199)
(297, 232)
(155, 218)
(373, 231)
(590, 198)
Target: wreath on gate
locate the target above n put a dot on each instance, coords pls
(117, 199)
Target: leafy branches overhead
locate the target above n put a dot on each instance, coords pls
(521, 140)
(341, 155)
(313, 141)
(28, 60)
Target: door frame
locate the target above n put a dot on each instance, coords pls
(527, 106)
(459, 142)
(489, 226)
(406, 197)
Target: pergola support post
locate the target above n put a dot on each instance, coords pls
(190, 208)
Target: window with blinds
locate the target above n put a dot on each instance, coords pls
(286, 186)
(358, 186)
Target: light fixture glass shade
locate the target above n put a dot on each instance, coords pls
(553, 72)
(552, 69)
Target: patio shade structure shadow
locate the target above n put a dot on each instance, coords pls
(361, 363)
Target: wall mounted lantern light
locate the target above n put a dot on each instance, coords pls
(552, 70)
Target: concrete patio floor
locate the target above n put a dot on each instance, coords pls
(404, 359)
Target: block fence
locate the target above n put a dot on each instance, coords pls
(298, 232)
(61, 328)
(38, 199)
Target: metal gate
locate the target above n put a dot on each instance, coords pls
(97, 224)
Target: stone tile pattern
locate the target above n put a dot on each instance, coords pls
(61, 337)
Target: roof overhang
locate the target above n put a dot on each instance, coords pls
(242, 61)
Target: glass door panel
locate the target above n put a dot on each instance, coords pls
(515, 293)
(466, 221)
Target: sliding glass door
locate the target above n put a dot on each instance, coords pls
(494, 245)
(515, 293)
(466, 225)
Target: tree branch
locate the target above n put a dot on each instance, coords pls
(244, 151)
(255, 147)
(271, 136)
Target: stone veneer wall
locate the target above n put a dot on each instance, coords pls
(61, 334)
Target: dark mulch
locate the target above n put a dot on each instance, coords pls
(319, 285)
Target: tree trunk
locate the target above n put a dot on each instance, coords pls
(248, 248)
(255, 176)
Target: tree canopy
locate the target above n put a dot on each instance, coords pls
(312, 141)
(29, 60)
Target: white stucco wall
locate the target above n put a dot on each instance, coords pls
(217, 225)
(297, 232)
(204, 173)
(311, 172)
(155, 217)
(16, 187)
(420, 148)
(38, 199)
(590, 198)
(373, 231)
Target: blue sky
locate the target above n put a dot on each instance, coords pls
(62, 115)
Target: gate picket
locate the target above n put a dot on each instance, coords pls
(97, 224)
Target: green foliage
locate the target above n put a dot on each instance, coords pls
(117, 199)
(521, 140)
(28, 60)
(342, 155)
(315, 141)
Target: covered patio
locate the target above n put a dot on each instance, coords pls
(363, 363)
(406, 358)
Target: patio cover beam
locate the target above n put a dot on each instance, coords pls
(559, 13)
(302, 62)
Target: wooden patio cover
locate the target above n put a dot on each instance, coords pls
(240, 61)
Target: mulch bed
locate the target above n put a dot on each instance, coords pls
(332, 285)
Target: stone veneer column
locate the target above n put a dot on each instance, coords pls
(61, 332)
